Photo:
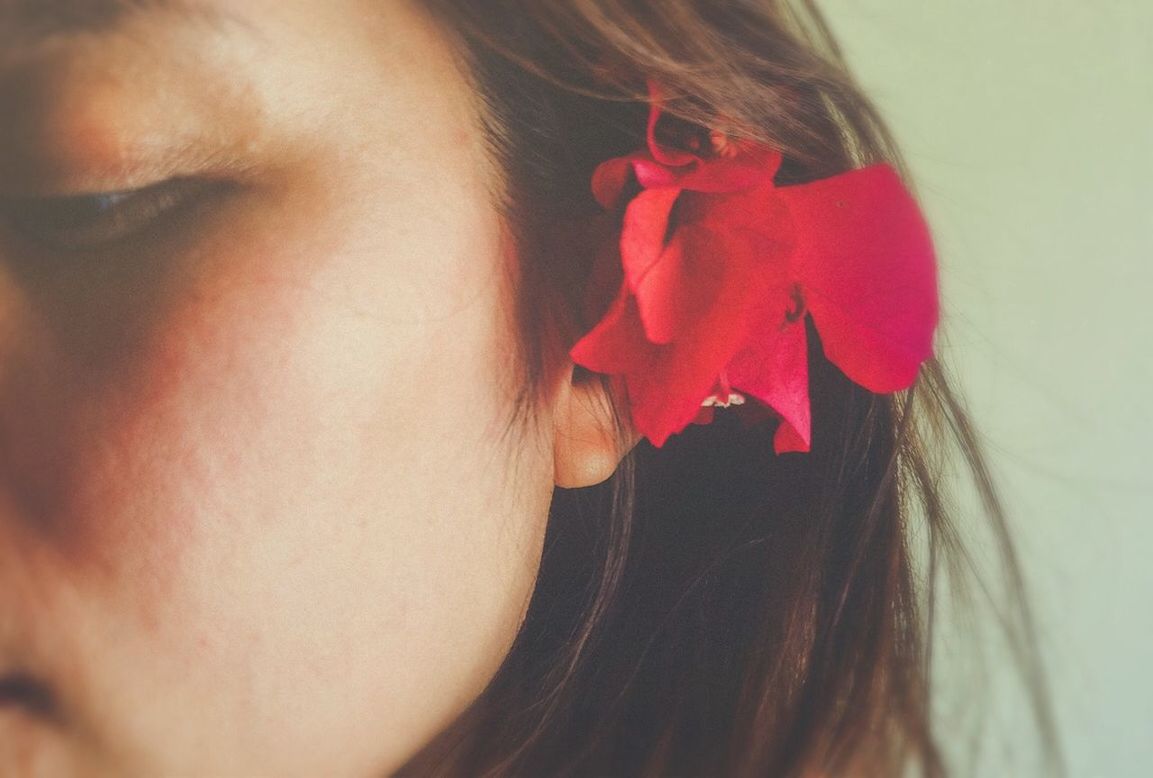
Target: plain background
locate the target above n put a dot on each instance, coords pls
(1028, 127)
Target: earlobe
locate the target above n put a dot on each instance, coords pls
(586, 448)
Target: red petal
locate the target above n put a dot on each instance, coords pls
(651, 174)
(787, 439)
(751, 168)
(774, 368)
(702, 274)
(716, 175)
(713, 323)
(866, 264)
(617, 343)
(643, 234)
(659, 412)
(665, 294)
(691, 277)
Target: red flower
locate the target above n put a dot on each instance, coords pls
(720, 268)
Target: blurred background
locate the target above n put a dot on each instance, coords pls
(1028, 127)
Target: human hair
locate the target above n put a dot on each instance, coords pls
(713, 608)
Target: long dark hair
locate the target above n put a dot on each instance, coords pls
(713, 609)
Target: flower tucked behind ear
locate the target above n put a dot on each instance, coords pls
(721, 268)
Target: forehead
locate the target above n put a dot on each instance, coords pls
(126, 71)
(32, 21)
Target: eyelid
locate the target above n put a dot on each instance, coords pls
(101, 219)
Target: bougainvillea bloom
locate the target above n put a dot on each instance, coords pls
(720, 268)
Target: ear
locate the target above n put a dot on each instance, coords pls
(586, 450)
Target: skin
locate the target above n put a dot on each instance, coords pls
(257, 514)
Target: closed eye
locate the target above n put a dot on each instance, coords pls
(102, 219)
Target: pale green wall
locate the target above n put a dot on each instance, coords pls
(1029, 130)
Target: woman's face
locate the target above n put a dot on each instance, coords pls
(257, 514)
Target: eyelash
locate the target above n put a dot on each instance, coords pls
(102, 219)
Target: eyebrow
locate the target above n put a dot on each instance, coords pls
(32, 21)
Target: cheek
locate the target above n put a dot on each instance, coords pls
(251, 382)
(287, 493)
(235, 393)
